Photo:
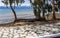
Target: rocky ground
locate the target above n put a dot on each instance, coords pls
(29, 31)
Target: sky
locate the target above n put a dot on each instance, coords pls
(26, 3)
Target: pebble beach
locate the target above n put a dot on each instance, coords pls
(23, 30)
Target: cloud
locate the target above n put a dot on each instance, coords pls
(25, 5)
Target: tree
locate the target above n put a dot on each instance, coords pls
(53, 9)
(39, 7)
(58, 4)
(43, 8)
(36, 8)
(10, 2)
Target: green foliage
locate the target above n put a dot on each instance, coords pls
(56, 9)
(5, 2)
(10, 2)
(39, 7)
(59, 4)
(17, 1)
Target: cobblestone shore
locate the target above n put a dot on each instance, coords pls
(29, 31)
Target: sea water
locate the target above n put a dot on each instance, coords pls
(6, 14)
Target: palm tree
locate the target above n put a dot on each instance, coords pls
(10, 2)
(53, 9)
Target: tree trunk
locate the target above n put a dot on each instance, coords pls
(15, 16)
(53, 9)
(54, 14)
(43, 12)
(36, 13)
(43, 15)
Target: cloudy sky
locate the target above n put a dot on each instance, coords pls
(24, 4)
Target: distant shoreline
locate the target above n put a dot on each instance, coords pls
(15, 7)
